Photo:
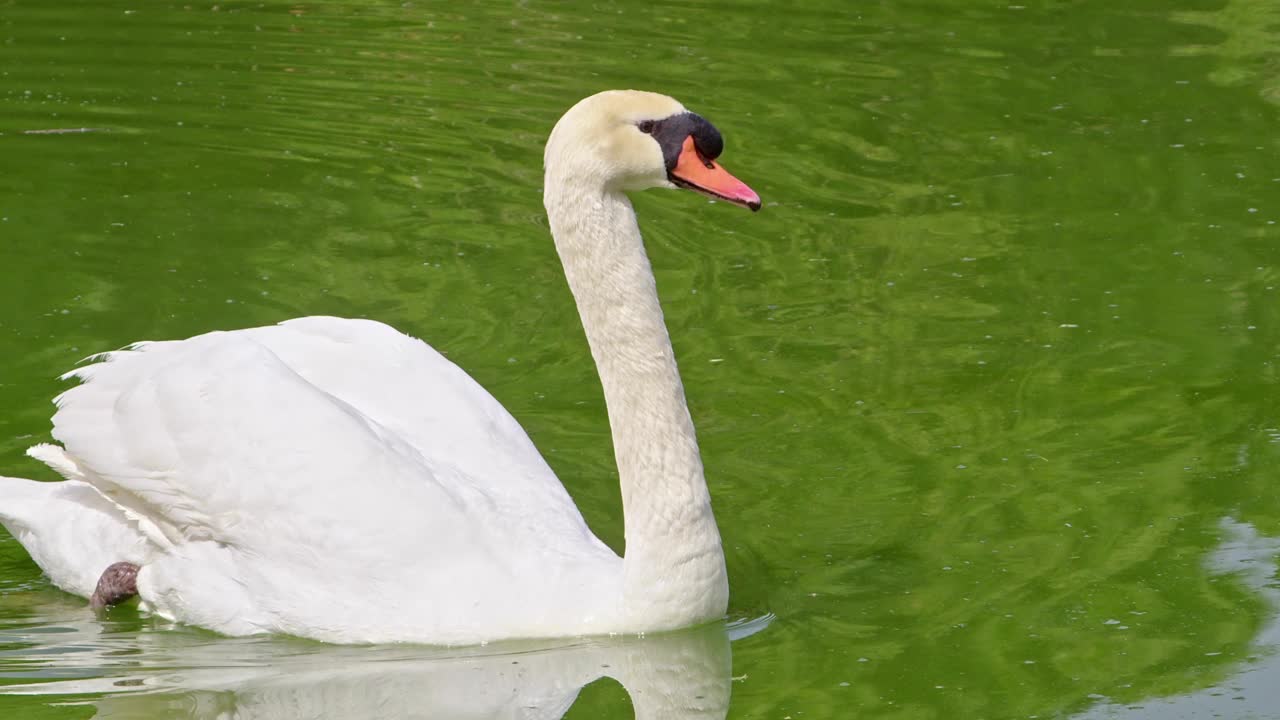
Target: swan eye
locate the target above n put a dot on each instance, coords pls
(646, 126)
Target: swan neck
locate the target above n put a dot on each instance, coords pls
(673, 568)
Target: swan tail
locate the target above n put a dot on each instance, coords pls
(69, 530)
(22, 503)
(16, 498)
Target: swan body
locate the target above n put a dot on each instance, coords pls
(339, 480)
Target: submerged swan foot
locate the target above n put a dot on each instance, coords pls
(118, 583)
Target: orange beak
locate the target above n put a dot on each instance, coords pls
(695, 172)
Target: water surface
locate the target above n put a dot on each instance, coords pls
(986, 393)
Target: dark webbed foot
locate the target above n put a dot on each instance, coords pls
(117, 584)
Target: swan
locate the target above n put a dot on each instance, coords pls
(338, 480)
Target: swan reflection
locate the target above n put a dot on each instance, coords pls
(676, 676)
(1250, 557)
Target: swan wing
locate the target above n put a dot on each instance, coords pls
(215, 439)
(429, 402)
(290, 497)
(142, 406)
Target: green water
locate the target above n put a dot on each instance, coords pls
(986, 392)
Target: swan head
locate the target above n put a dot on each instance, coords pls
(634, 140)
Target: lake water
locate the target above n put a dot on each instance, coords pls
(987, 392)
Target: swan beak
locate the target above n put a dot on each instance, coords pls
(695, 172)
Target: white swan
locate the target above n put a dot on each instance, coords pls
(337, 480)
